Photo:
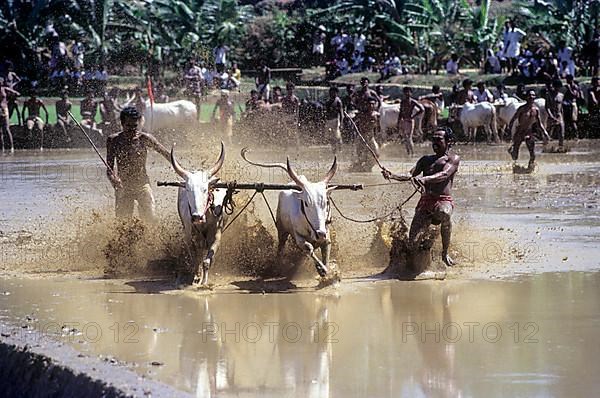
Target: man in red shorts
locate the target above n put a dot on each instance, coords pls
(436, 205)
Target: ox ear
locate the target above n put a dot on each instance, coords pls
(215, 169)
(178, 169)
(331, 171)
(293, 174)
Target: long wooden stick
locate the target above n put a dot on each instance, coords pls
(262, 186)
(365, 142)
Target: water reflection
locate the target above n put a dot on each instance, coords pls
(534, 336)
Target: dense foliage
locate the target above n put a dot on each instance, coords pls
(168, 32)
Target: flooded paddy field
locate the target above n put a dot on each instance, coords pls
(517, 316)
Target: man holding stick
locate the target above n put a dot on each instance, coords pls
(436, 204)
(130, 148)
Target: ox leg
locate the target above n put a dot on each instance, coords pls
(208, 260)
(282, 238)
(326, 251)
(310, 250)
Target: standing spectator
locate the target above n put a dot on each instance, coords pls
(554, 107)
(220, 54)
(12, 79)
(572, 95)
(512, 44)
(5, 91)
(290, 103)
(592, 53)
(334, 113)
(195, 83)
(78, 52)
(594, 97)
(342, 65)
(501, 93)
(263, 82)
(226, 115)
(63, 107)
(565, 59)
(452, 65)
(88, 110)
(33, 106)
(409, 109)
(337, 42)
(492, 63)
(482, 94)
(466, 94)
(357, 62)
(318, 49)
(360, 42)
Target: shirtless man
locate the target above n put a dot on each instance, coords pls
(572, 94)
(63, 107)
(436, 96)
(130, 180)
(436, 204)
(108, 112)
(334, 113)
(12, 79)
(88, 110)
(290, 103)
(33, 105)
(409, 110)
(528, 117)
(367, 104)
(226, 114)
(5, 92)
(554, 107)
(594, 97)
(466, 94)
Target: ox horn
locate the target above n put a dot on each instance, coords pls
(331, 171)
(293, 174)
(215, 169)
(178, 169)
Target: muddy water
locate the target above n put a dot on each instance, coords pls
(363, 338)
(536, 336)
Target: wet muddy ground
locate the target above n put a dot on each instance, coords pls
(367, 336)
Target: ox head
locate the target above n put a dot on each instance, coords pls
(198, 186)
(453, 112)
(314, 203)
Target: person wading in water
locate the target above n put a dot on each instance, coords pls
(130, 148)
(436, 204)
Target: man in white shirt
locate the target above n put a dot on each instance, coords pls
(452, 65)
(220, 54)
(512, 37)
(482, 94)
(360, 42)
(565, 60)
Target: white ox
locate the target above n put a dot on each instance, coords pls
(305, 214)
(201, 212)
(473, 116)
(176, 115)
(508, 108)
(388, 118)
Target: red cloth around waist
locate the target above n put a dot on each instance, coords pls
(429, 201)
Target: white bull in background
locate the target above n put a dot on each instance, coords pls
(388, 118)
(507, 109)
(176, 115)
(473, 116)
(305, 214)
(201, 212)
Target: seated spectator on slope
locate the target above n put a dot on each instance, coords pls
(452, 65)
(492, 63)
(565, 60)
(482, 94)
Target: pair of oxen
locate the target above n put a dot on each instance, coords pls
(303, 214)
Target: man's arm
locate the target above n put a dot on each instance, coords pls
(515, 117)
(110, 159)
(10, 90)
(415, 171)
(420, 108)
(447, 171)
(212, 117)
(157, 146)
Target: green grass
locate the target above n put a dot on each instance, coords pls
(206, 110)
